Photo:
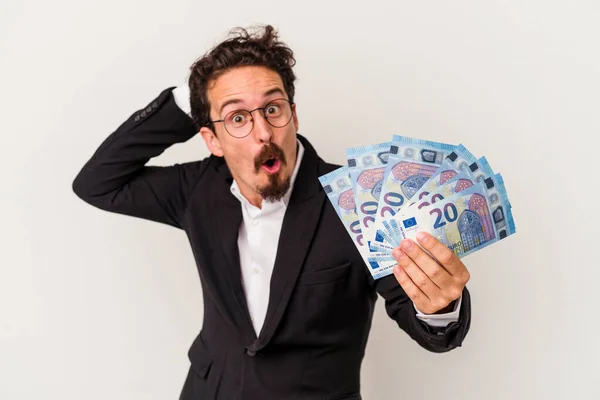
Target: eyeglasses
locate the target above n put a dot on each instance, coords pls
(239, 123)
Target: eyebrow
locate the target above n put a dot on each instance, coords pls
(237, 101)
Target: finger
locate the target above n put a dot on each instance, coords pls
(417, 276)
(417, 296)
(443, 255)
(428, 265)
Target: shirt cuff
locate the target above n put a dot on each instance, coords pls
(440, 320)
(181, 95)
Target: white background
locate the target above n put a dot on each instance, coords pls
(101, 306)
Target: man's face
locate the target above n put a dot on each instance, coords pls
(262, 163)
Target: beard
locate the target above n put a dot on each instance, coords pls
(277, 185)
(275, 189)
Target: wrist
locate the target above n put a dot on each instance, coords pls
(448, 309)
(181, 95)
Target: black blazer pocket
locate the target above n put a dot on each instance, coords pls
(200, 358)
(324, 276)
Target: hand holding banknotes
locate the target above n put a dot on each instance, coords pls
(432, 285)
(394, 193)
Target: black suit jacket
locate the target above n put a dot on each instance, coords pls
(322, 296)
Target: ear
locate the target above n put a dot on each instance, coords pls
(295, 116)
(212, 142)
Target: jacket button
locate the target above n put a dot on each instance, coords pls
(251, 353)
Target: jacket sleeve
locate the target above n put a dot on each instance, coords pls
(116, 178)
(400, 308)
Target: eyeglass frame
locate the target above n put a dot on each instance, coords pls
(291, 103)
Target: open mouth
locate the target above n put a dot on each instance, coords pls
(272, 165)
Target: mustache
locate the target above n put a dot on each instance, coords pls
(268, 152)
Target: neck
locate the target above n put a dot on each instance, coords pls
(254, 198)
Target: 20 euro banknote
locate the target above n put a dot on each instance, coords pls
(465, 222)
(477, 172)
(338, 188)
(367, 166)
(456, 162)
(410, 164)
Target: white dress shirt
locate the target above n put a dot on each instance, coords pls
(258, 238)
(257, 243)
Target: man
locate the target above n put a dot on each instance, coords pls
(288, 301)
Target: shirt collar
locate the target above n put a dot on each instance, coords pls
(235, 190)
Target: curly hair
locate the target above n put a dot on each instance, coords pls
(242, 49)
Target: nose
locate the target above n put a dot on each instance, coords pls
(263, 131)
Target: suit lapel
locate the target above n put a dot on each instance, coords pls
(227, 223)
(298, 228)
